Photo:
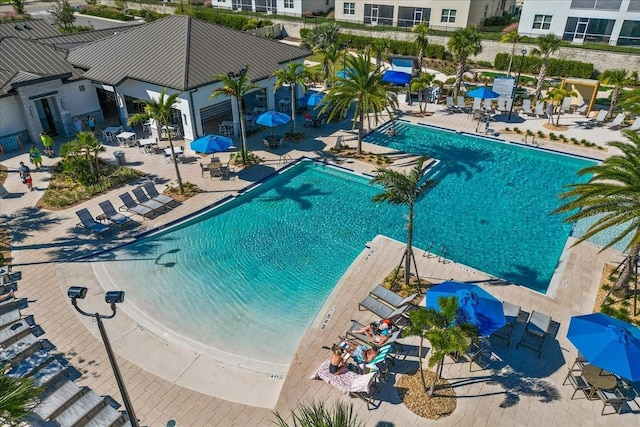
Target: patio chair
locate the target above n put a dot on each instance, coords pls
(635, 125)
(611, 398)
(526, 107)
(450, 106)
(87, 221)
(153, 193)
(502, 104)
(145, 201)
(390, 297)
(535, 332)
(381, 309)
(511, 314)
(476, 104)
(540, 112)
(600, 118)
(577, 381)
(131, 206)
(475, 353)
(617, 122)
(461, 104)
(203, 168)
(356, 326)
(566, 104)
(112, 215)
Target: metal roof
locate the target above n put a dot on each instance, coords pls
(68, 41)
(180, 52)
(28, 29)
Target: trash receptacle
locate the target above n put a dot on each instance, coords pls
(119, 155)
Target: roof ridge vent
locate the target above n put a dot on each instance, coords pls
(17, 27)
(26, 27)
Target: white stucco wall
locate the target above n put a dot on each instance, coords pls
(11, 117)
(79, 98)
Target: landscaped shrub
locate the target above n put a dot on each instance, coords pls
(237, 22)
(556, 67)
(396, 47)
(147, 15)
(105, 12)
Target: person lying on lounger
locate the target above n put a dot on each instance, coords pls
(360, 353)
(378, 332)
(7, 296)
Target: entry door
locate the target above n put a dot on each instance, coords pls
(47, 114)
(417, 16)
(374, 15)
(581, 29)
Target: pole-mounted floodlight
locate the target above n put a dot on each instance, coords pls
(112, 298)
(513, 101)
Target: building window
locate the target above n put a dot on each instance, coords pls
(448, 15)
(629, 34)
(349, 8)
(634, 5)
(596, 4)
(542, 22)
(588, 29)
(81, 88)
(288, 4)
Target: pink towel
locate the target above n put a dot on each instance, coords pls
(346, 382)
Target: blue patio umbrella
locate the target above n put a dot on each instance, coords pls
(607, 343)
(396, 77)
(345, 73)
(211, 144)
(272, 119)
(483, 92)
(475, 305)
(315, 98)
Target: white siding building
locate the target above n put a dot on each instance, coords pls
(281, 7)
(439, 14)
(615, 22)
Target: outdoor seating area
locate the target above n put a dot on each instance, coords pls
(28, 355)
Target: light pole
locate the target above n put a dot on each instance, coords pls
(113, 298)
(513, 101)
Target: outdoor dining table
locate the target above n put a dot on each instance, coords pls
(109, 133)
(599, 378)
(146, 143)
(285, 105)
(167, 153)
(125, 137)
(272, 141)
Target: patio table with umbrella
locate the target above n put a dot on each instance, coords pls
(475, 305)
(211, 144)
(610, 344)
(483, 92)
(272, 119)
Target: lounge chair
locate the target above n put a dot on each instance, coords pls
(153, 193)
(502, 104)
(582, 109)
(476, 104)
(450, 106)
(511, 314)
(535, 332)
(635, 125)
(112, 215)
(600, 118)
(361, 386)
(356, 326)
(390, 297)
(508, 105)
(142, 199)
(539, 112)
(617, 122)
(461, 104)
(381, 309)
(566, 104)
(131, 206)
(87, 221)
(526, 108)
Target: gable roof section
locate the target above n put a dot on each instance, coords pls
(26, 60)
(36, 28)
(180, 52)
(68, 41)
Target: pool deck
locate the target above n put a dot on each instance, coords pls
(166, 381)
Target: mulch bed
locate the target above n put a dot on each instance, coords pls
(417, 400)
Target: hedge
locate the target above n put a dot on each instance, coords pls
(147, 15)
(396, 47)
(556, 67)
(105, 12)
(237, 22)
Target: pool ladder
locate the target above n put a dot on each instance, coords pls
(442, 252)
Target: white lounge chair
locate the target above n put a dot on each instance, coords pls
(461, 104)
(381, 309)
(390, 297)
(526, 107)
(617, 122)
(566, 104)
(599, 119)
(502, 104)
(539, 112)
(635, 125)
(450, 106)
(476, 104)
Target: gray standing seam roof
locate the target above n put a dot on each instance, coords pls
(180, 52)
(34, 29)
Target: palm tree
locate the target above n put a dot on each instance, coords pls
(547, 45)
(421, 40)
(378, 49)
(317, 415)
(556, 96)
(404, 189)
(292, 74)
(321, 38)
(464, 42)
(17, 398)
(444, 335)
(161, 111)
(617, 79)
(236, 86)
(510, 35)
(331, 55)
(612, 197)
(630, 101)
(85, 146)
(420, 84)
(363, 86)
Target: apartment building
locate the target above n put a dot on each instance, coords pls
(615, 22)
(439, 14)
(282, 7)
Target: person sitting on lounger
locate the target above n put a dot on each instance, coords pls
(378, 332)
(361, 353)
(7, 296)
(338, 364)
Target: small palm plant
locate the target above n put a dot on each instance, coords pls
(82, 152)
(556, 96)
(444, 334)
(17, 398)
(404, 189)
(420, 84)
(316, 414)
(292, 74)
(236, 86)
(161, 111)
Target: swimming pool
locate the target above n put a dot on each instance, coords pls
(491, 207)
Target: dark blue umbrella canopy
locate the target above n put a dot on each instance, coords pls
(475, 305)
(607, 343)
(396, 77)
(483, 93)
(211, 144)
(273, 118)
